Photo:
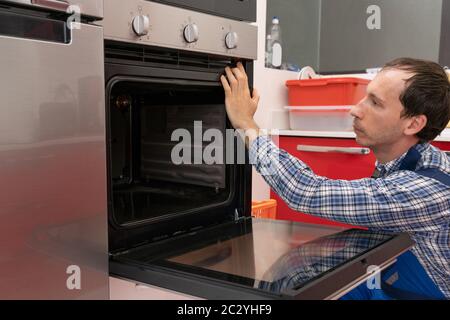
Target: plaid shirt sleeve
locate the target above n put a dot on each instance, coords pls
(400, 202)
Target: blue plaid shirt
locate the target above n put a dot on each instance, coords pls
(399, 201)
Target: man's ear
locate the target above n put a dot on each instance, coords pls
(416, 124)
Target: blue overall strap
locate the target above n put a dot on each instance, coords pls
(435, 174)
(410, 163)
(411, 160)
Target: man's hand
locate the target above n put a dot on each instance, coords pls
(240, 104)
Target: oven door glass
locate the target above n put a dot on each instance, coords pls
(275, 257)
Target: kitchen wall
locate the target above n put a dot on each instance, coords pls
(271, 86)
(300, 27)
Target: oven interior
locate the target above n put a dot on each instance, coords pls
(154, 125)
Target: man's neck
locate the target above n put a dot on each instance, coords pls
(385, 154)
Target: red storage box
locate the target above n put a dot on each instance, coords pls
(320, 118)
(326, 91)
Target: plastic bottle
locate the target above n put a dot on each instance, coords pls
(268, 60)
(277, 49)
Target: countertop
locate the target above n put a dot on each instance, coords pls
(445, 136)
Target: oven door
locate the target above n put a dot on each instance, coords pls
(53, 235)
(263, 259)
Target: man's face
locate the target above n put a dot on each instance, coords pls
(377, 118)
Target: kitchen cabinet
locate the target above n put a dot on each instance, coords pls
(334, 158)
(346, 36)
(386, 30)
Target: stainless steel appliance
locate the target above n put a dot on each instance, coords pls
(188, 228)
(53, 238)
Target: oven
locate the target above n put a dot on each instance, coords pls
(178, 221)
(156, 84)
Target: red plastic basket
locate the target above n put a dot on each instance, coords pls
(326, 91)
(264, 209)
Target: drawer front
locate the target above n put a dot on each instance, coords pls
(332, 158)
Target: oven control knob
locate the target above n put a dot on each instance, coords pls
(141, 25)
(231, 40)
(191, 33)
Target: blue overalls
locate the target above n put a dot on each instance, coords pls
(407, 278)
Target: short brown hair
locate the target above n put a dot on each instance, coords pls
(427, 93)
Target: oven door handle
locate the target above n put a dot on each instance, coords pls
(324, 149)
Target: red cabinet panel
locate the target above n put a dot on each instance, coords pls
(334, 165)
(444, 146)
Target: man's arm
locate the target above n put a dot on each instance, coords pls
(403, 202)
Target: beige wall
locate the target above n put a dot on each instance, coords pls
(270, 84)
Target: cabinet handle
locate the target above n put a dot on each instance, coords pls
(347, 150)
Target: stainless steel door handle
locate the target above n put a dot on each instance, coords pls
(61, 5)
(324, 149)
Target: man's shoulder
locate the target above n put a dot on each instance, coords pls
(434, 158)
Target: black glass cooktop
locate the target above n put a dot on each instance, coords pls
(266, 255)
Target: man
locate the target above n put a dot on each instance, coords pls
(406, 106)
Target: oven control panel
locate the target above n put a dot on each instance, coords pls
(150, 23)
